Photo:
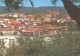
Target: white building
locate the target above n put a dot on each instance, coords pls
(9, 40)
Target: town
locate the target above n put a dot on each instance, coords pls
(12, 25)
(39, 27)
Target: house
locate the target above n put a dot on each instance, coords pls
(66, 16)
(30, 32)
(60, 20)
(56, 14)
(9, 32)
(9, 40)
(51, 17)
(47, 25)
(65, 28)
(47, 18)
(17, 25)
(37, 27)
(31, 17)
(50, 30)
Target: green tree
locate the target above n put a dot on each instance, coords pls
(1, 34)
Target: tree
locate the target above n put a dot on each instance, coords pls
(72, 10)
(1, 34)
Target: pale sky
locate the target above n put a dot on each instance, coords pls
(38, 3)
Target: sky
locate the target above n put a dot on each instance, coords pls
(39, 3)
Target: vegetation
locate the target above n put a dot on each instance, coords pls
(35, 11)
(2, 48)
(65, 44)
(1, 34)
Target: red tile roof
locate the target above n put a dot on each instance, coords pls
(47, 25)
(30, 29)
(31, 16)
(37, 26)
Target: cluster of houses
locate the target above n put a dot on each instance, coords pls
(12, 23)
(15, 24)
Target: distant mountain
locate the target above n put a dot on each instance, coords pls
(33, 9)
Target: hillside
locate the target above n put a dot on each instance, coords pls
(33, 9)
(36, 11)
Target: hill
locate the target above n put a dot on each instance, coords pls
(34, 10)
